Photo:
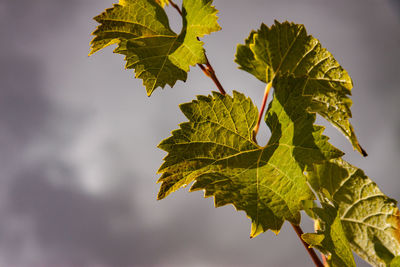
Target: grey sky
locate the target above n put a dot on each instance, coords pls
(79, 135)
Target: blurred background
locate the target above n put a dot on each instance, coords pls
(78, 135)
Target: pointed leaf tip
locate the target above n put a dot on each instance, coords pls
(363, 152)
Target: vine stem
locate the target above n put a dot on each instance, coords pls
(209, 71)
(260, 114)
(310, 251)
(206, 68)
(176, 7)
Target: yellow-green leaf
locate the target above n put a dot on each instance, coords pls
(313, 239)
(331, 240)
(287, 49)
(215, 148)
(395, 262)
(368, 216)
(158, 55)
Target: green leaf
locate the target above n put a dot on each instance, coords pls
(308, 206)
(286, 48)
(216, 150)
(395, 262)
(141, 30)
(313, 239)
(331, 240)
(367, 215)
(248, 62)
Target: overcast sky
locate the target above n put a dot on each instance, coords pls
(78, 135)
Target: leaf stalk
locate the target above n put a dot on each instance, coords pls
(260, 114)
(211, 73)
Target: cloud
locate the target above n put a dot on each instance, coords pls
(78, 139)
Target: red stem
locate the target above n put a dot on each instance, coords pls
(261, 113)
(310, 251)
(176, 7)
(211, 73)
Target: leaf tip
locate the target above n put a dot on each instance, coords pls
(362, 151)
(256, 229)
(276, 232)
(160, 196)
(150, 89)
(91, 52)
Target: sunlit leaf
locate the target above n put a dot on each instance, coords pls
(331, 240)
(216, 150)
(158, 55)
(286, 48)
(368, 216)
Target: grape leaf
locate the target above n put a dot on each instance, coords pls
(395, 262)
(162, 2)
(331, 240)
(216, 150)
(382, 251)
(286, 48)
(141, 30)
(368, 216)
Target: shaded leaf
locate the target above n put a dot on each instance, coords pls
(248, 62)
(216, 150)
(367, 215)
(141, 30)
(286, 48)
(382, 251)
(331, 240)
